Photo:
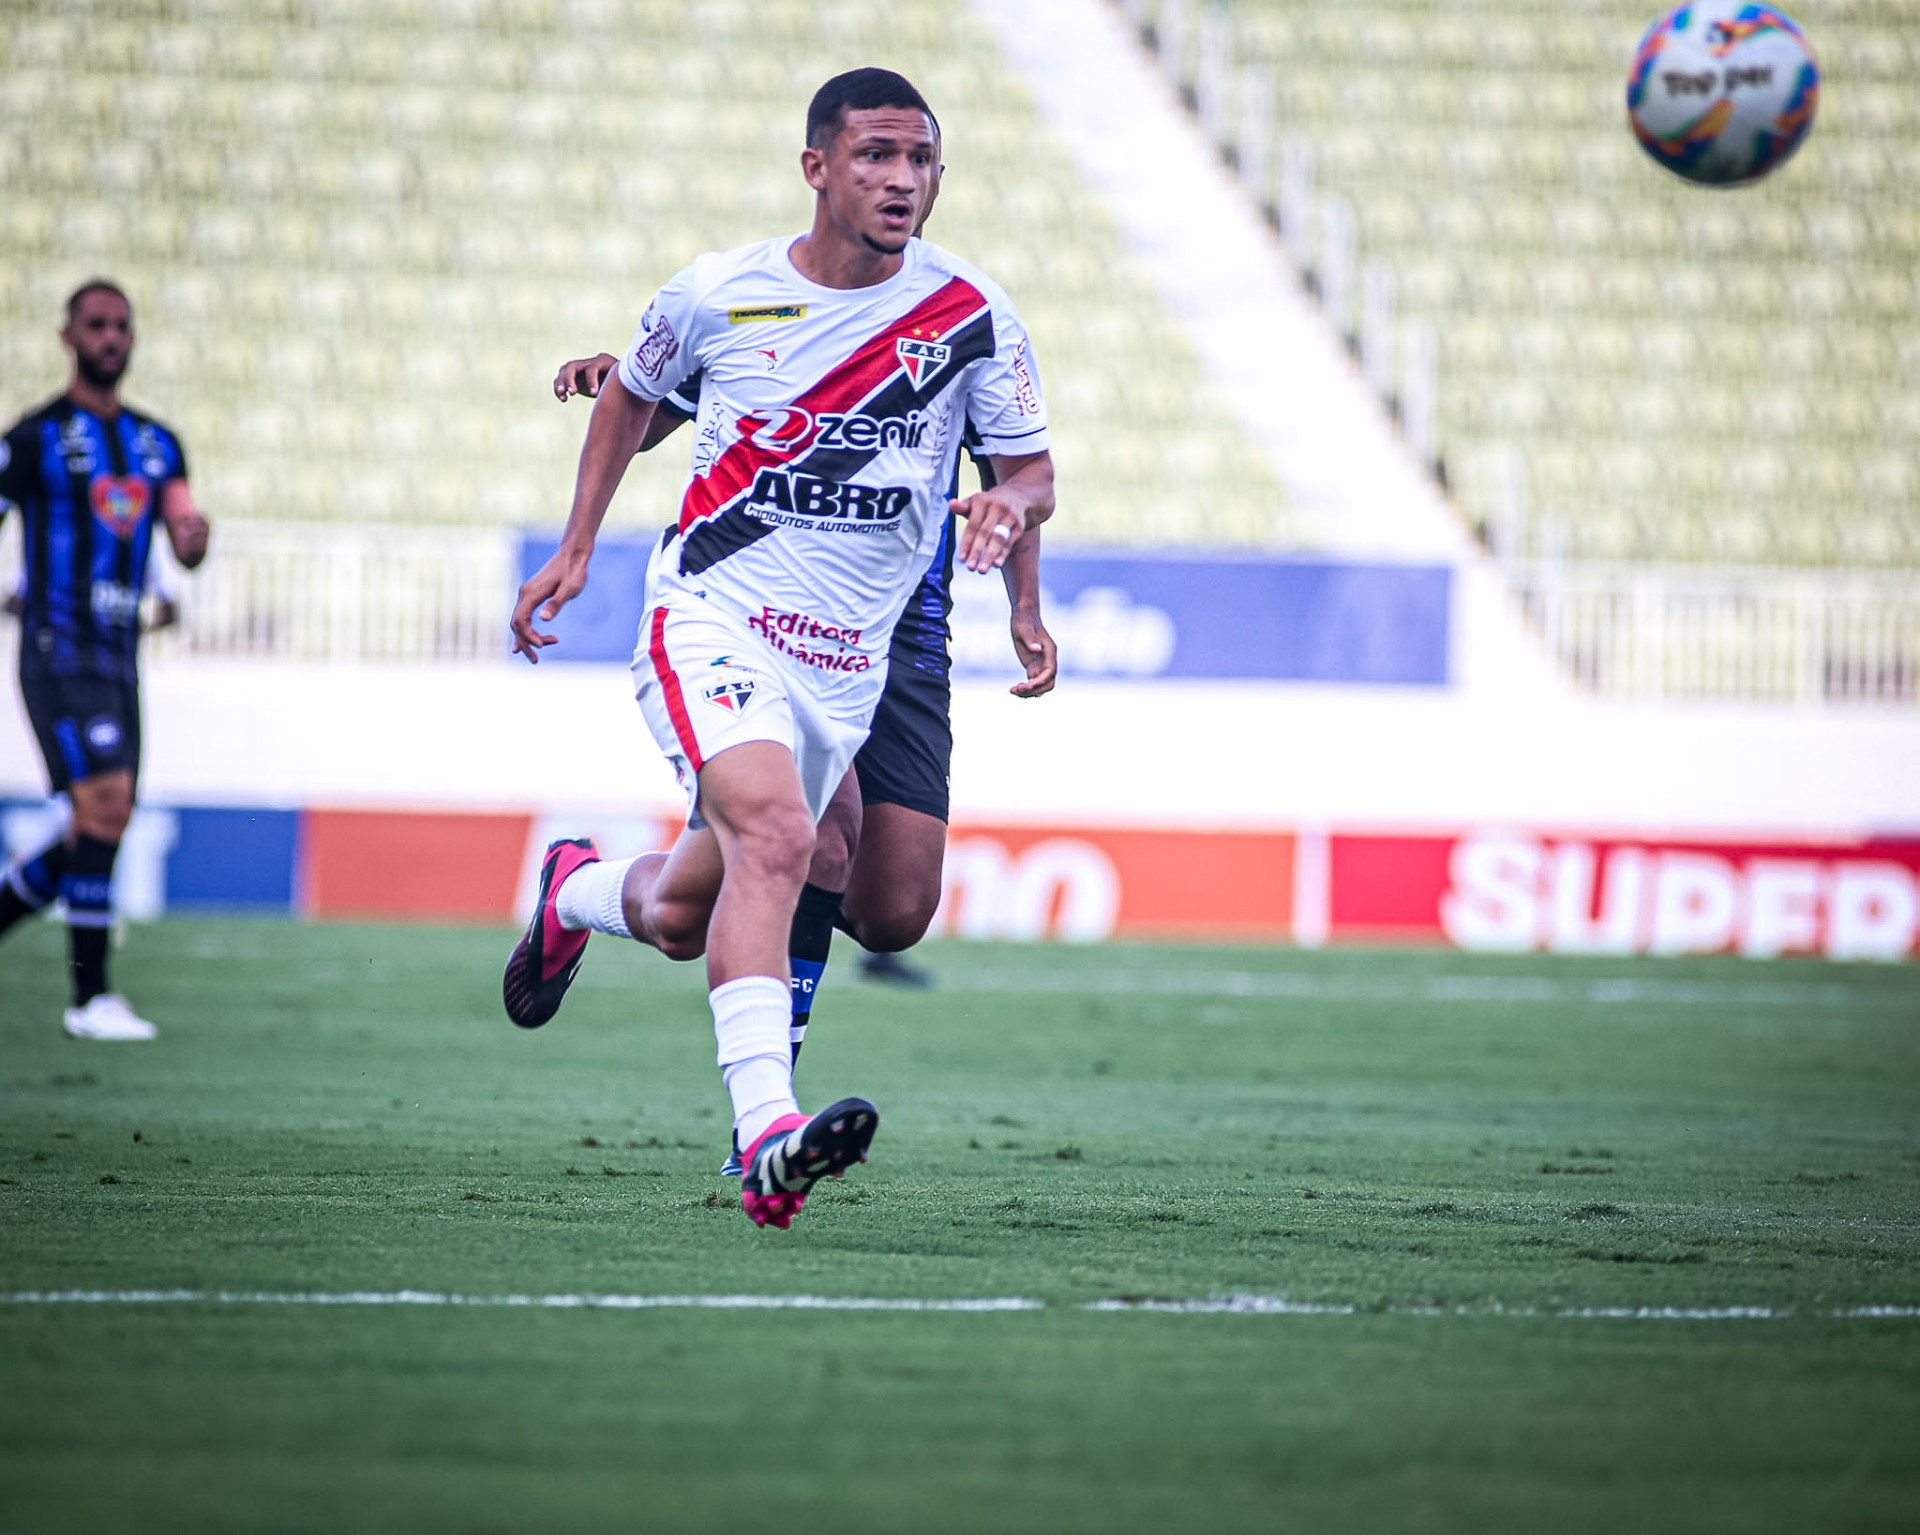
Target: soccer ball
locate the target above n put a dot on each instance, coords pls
(1722, 93)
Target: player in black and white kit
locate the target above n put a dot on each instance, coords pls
(840, 370)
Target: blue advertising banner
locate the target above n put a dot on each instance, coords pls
(233, 859)
(1128, 616)
(603, 623)
(187, 858)
(1300, 620)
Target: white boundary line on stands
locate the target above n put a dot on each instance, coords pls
(1224, 1305)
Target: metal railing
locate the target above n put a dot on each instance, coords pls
(314, 592)
(339, 593)
(1767, 635)
(348, 593)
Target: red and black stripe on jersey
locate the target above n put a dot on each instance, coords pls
(873, 382)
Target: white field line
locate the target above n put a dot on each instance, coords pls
(1305, 986)
(1222, 1305)
(1279, 1305)
(564, 1302)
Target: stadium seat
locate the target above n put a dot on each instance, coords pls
(1486, 159)
(337, 198)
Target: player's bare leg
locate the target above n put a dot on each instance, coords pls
(736, 883)
(810, 938)
(78, 869)
(893, 887)
(893, 890)
(665, 900)
(752, 797)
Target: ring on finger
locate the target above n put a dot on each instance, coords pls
(999, 530)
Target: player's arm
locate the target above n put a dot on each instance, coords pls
(614, 433)
(584, 375)
(17, 464)
(187, 527)
(997, 518)
(1032, 645)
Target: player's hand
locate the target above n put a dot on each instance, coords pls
(187, 528)
(583, 375)
(1035, 650)
(548, 589)
(191, 532)
(994, 521)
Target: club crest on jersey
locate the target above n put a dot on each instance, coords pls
(120, 501)
(729, 688)
(920, 358)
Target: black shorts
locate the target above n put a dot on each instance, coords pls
(909, 751)
(86, 726)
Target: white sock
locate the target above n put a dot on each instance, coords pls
(751, 1017)
(591, 898)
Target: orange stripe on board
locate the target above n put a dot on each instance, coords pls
(373, 863)
(1171, 884)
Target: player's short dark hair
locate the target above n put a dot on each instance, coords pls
(96, 285)
(859, 90)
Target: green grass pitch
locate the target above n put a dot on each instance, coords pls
(1453, 1155)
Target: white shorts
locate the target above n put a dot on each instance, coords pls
(705, 682)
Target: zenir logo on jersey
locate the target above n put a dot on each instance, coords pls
(921, 358)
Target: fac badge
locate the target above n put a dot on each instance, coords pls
(728, 687)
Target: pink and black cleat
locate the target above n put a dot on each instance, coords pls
(795, 1152)
(545, 960)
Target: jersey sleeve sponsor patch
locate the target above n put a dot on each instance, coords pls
(657, 345)
(1006, 409)
(661, 354)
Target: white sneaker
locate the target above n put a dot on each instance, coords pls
(108, 1016)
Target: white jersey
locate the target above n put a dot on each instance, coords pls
(828, 433)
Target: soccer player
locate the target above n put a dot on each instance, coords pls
(839, 368)
(883, 839)
(876, 868)
(90, 477)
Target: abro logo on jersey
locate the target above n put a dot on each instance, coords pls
(789, 429)
(808, 500)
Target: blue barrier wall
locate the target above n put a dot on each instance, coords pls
(233, 859)
(1281, 620)
(181, 858)
(1293, 620)
(603, 622)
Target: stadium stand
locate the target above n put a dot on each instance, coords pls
(362, 233)
(1628, 368)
